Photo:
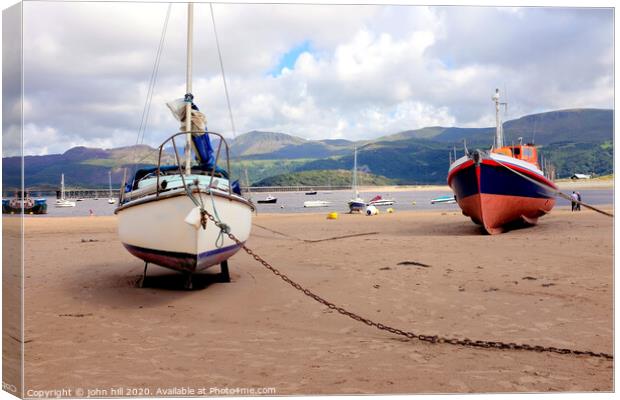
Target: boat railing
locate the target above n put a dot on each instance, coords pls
(172, 140)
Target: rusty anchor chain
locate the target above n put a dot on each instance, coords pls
(488, 344)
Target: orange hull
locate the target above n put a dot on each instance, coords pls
(494, 211)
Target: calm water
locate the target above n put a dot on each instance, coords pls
(292, 202)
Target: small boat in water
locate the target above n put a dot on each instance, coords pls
(356, 203)
(503, 185)
(444, 200)
(62, 201)
(317, 203)
(268, 200)
(311, 193)
(380, 201)
(23, 202)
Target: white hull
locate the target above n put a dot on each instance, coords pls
(65, 203)
(156, 230)
(316, 203)
(381, 203)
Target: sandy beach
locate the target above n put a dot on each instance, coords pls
(88, 326)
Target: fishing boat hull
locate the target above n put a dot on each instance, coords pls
(496, 191)
(268, 201)
(155, 229)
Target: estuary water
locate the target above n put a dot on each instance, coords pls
(292, 202)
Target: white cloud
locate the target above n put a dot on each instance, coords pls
(370, 70)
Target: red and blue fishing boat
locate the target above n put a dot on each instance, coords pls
(502, 186)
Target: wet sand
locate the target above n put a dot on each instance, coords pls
(88, 326)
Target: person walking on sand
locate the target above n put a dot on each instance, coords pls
(578, 206)
(573, 203)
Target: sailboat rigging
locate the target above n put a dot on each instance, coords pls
(62, 201)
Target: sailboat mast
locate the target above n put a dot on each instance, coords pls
(62, 186)
(355, 172)
(499, 134)
(110, 182)
(188, 90)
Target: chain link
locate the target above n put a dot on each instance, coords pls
(488, 344)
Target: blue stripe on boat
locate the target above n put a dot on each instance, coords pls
(496, 180)
(499, 180)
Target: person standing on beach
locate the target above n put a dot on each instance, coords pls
(578, 206)
(573, 203)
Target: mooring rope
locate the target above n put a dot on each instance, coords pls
(556, 192)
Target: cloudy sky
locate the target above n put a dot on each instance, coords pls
(315, 71)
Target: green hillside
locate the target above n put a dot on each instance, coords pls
(324, 178)
(573, 140)
(586, 158)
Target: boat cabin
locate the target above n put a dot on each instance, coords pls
(525, 152)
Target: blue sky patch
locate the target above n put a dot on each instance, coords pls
(287, 60)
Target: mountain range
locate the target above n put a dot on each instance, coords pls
(577, 140)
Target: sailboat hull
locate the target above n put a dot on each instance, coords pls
(155, 230)
(495, 197)
(356, 206)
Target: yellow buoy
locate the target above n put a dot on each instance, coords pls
(413, 203)
(390, 210)
(332, 215)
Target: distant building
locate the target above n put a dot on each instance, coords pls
(581, 176)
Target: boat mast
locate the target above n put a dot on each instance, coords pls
(355, 172)
(62, 186)
(499, 132)
(188, 91)
(110, 182)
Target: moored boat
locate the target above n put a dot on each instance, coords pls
(444, 200)
(268, 200)
(503, 185)
(22, 202)
(378, 201)
(316, 203)
(163, 213)
(62, 202)
(356, 204)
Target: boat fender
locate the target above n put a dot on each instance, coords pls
(194, 218)
(332, 215)
(371, 210)
(390, 210)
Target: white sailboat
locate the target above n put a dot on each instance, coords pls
(162, 213)
(111, 200)
(316, 203)
(62, 202)
(357, 203)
